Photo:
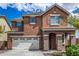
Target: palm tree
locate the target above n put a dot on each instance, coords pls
(74, 21)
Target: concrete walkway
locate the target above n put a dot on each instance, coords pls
(22, 53)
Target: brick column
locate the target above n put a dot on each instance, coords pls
(60, 45)
(73, 40)
(9, 43)
(77, 40)
(46, 42)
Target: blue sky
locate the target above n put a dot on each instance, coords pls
(16, 10)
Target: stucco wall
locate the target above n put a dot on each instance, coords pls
(4, 23)
(3, 36)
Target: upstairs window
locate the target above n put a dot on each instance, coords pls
(19, 24)
(55, 19)
(32, 20)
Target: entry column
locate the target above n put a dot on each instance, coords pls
(60, 45)
(73, 40)
(9, 43)
(46, 42)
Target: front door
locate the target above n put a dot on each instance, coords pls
(52, 41)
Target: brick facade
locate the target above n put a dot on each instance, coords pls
(60, 44)
(54, 10)
(32, 29)
(43, 22)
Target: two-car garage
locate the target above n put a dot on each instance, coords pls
(26, 43)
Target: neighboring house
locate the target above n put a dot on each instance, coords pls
(4, 27)
(45, 31)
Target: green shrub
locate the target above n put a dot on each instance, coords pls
(72, 50)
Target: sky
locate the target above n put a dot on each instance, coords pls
(16, 10)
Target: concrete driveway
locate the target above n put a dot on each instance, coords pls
(22, 50)
(22, 53)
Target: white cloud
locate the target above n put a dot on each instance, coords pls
(43, 5)
(76, 4)
(70, 6)
(3, 5)
(25, 7)
(20, 6)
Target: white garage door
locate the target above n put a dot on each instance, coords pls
(25, 43)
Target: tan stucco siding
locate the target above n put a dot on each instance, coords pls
(3, 36)
(4, 23)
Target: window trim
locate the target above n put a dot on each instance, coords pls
(51, 15)
(32, 22)
(54, 14)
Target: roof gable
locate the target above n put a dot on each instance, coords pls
(56, 5)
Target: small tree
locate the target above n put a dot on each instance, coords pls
(73, 20)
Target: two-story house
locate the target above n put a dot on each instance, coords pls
(46, 31)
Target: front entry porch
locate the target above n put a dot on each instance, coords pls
(57, 40)
(54, 42)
